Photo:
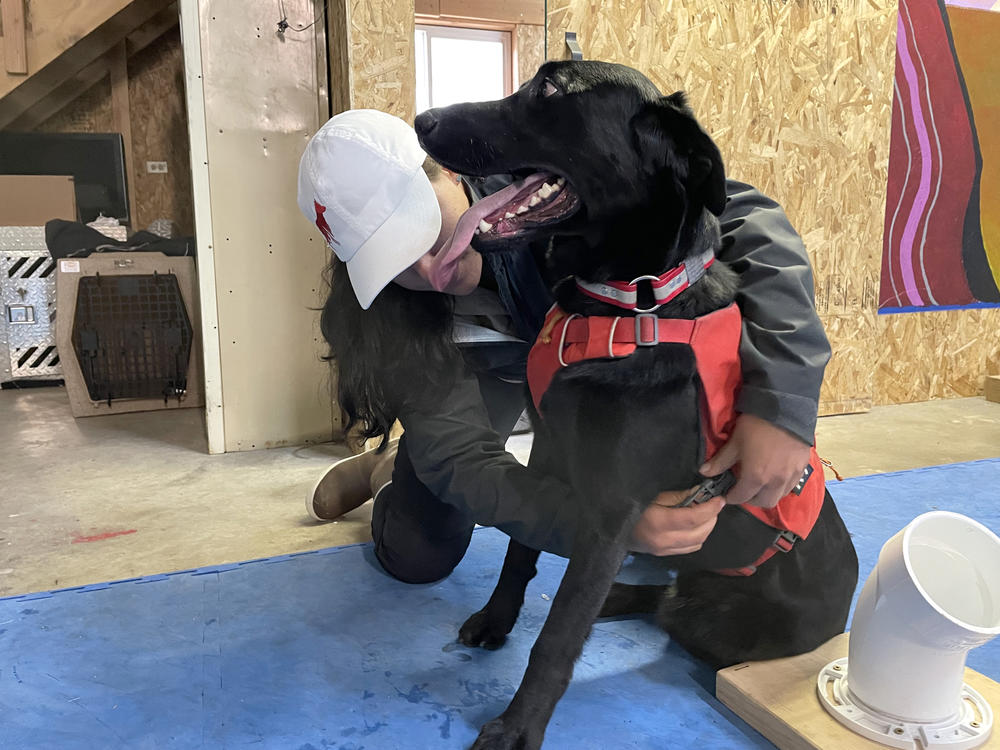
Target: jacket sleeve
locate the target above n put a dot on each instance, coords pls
(784, 349)
(463, 462)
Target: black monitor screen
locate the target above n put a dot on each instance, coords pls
(96, 161)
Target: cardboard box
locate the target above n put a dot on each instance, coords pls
(32, 200)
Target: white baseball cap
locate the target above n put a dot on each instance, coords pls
(361, 184)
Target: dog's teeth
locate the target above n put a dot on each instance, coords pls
(561, 181)
(535, 200)
(522, 209)
(556, 188)
(545, 190)
(508, 215)
(484, 226)
(477, 231)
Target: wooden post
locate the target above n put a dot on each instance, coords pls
(14, 45)
(338, 54)
(123, 120)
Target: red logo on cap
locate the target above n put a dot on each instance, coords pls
(322, 225)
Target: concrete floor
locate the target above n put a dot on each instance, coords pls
(113, 497)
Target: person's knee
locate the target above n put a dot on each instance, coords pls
(418, 538)
(415, 565)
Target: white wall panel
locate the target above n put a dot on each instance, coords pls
(263, 98)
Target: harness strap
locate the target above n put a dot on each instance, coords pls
(566, 339)
(644, 329)
(782, 543)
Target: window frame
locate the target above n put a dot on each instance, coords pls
(473, 30)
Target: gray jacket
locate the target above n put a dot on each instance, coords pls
(784, 352)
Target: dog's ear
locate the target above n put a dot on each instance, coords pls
(667, 135)
(709, 174)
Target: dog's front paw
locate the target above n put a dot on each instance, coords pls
(504, 735)
(483, 630)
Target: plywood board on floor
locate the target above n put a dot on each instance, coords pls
(778, 699)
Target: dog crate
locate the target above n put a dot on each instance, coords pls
(129, 333)
(28, 299)
(132, 336)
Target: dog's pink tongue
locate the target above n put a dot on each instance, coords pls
(446, 261)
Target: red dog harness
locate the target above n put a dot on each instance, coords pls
(715, 340)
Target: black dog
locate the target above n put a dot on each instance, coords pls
(641, 187)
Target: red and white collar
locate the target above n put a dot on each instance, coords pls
(665, 287)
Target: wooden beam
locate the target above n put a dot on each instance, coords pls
(68, 92)
(57, 27)
(14, 41)
(80, 48)
(122, 118)
(509, 11)
(338, 43)
(152, 30)
(464, 23)
(72, 88)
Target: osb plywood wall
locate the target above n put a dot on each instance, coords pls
(944, 354)
(88, 113)
(381, 56)
(530, 50)
(160, 133)
(378, 71)
(798, 95)
(159, 130)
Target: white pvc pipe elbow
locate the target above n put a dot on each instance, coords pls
(934, 595)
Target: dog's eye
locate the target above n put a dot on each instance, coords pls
(549, 88)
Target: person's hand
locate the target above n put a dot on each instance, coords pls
(771, 462)
(666, 530)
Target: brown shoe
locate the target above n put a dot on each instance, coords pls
(348, 483)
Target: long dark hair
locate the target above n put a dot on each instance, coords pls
(399, 348)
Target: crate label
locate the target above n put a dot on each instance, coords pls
(69, 266)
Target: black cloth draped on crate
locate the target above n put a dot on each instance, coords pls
(71, 239)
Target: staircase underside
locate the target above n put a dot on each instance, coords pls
(68, 47)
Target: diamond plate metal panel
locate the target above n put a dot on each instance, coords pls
(28, 306)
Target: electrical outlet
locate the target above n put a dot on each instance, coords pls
(156, 167)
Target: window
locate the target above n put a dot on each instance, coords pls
(461, 65)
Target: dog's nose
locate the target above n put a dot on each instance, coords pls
(425, 123)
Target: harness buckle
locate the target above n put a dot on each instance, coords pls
(646, 330)
(785, 541)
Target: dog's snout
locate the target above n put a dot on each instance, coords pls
(425, 123)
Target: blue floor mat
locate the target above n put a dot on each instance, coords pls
(321, 650)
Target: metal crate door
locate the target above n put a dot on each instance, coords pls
(132, 336)
(27, 301)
